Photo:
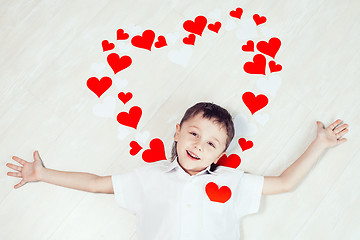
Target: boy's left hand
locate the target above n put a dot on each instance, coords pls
(330, 136)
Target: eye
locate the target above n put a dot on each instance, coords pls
(194, 134)
(211, 144)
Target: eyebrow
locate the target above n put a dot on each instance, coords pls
(212, 137)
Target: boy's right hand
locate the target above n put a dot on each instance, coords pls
(29, 171)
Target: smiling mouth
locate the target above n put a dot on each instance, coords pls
(193, 156)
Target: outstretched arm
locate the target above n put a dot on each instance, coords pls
(290, 178)
(35, 171)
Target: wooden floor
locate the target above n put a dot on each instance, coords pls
(49, 49)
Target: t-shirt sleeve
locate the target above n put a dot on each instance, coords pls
(128, 190)
(249, 194)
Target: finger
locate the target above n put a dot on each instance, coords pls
(15, 167)
(14, 174)
(340, 128)
(342, 133)
(334, 124)
(22, 183)
(340, 141)
(19, 160)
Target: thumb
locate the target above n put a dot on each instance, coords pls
(38, 158)
(36, 155)
(319, 124)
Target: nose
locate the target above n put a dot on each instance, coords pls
(198, 146)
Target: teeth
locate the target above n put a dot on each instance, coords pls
(194, 156)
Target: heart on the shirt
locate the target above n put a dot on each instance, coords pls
(156, 151)
(217, 194)
(232, 161)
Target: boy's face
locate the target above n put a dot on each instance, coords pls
(200, 142)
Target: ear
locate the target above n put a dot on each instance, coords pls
(224, 153)
(176, 137)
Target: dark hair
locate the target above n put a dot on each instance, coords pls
(209, 111)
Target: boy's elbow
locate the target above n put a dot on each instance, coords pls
(102, 184)
(289, 187)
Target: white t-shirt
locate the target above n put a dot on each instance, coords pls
(170, 204)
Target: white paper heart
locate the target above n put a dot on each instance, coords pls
(133, 29)
(181, 57)
(171, 38)
(268, 32)
(106, 108)
(123, 132)
(215, 14)
(142, 137)
(98, 68)
(124, 47)
(230, 25)
(269, 85)
(120, 84)
(261, 118)
(247, 30)
(243, 128)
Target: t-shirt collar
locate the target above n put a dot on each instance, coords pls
(175, 164)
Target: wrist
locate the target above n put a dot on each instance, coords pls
(319, 144)
(41, 173)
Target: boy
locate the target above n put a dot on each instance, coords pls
(190, 197)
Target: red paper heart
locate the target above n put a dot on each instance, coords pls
(121, 35)
(156, 151)
(118, 64)
(99, 86)
(245, 144)
(232, 161)
(161, 42)
(253, 103)
(249, 47)
(107, 46)
(135, 148)
(130, 119)
(144, 41)
(270, 48)
(274, 67)
(214, 27)
(259, 20)
(196, 26)
(237, 13)
(190, 40)
(257, 66)
(125, 97)
(215, 194)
